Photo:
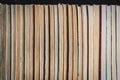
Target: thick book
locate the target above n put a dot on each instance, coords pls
(96, 38)
(91, 42)
(75, 43)
(37, 43)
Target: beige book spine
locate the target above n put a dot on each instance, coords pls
(80, 42)
(85, 43)
(90, 17)
(75, 37)
(52, 42)
(70, 74)
(13, 42)
(56, 40)
(96, 38)
(37, 43)
(65, 41)
(61, 33)
(41, 12)
(27, 41)
(47, 38)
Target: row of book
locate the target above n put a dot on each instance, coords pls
(59, 42)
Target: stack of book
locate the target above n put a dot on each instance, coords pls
(59, 42)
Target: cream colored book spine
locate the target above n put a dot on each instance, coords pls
(70, 71)
(75, 33)
(65, 48)
(109, 48)
(56, 40)
(47, 38)
(118, 40)
(61, 33)
(13, 42)
(80, 43)
(37, 43)
(96, 31)
(85, 43)
(7, 61)
(31, 42)
(103, 42)
(52, 45)
(17, 44)
(90, 17)
(114, 50)
(27, 43)
(41, 13)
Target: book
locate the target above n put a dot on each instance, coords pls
(118, 40)
(85, 42)
(7, 44)
(13, 42)
(27, 41)
(41, 14)
(103, 42)
(90, 24)
(80, 43)
(52, 45)
(96, 34)
(70, 17)
(56, 40)
(47, 38)
(37, 43)
(75, 43)
(65, 39)
(61, 42)
(114, 43)
(109, 50)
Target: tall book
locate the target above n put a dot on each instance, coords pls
(70, 17)
(103, 41)
(28, 42)
(80, 43)
(85, 42)
(56, 40)
(75, 37)
(2, 41)
(65, 36)
(114, 50)
(47, 38)
(61, 33)
(7, 43)
(96, 31)
(118, 40)
(90, 23)
(37, 43)
(17, 42)
(52, 45)
(109, 48)
(13, 42)
(41, 14)
(31, 41)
